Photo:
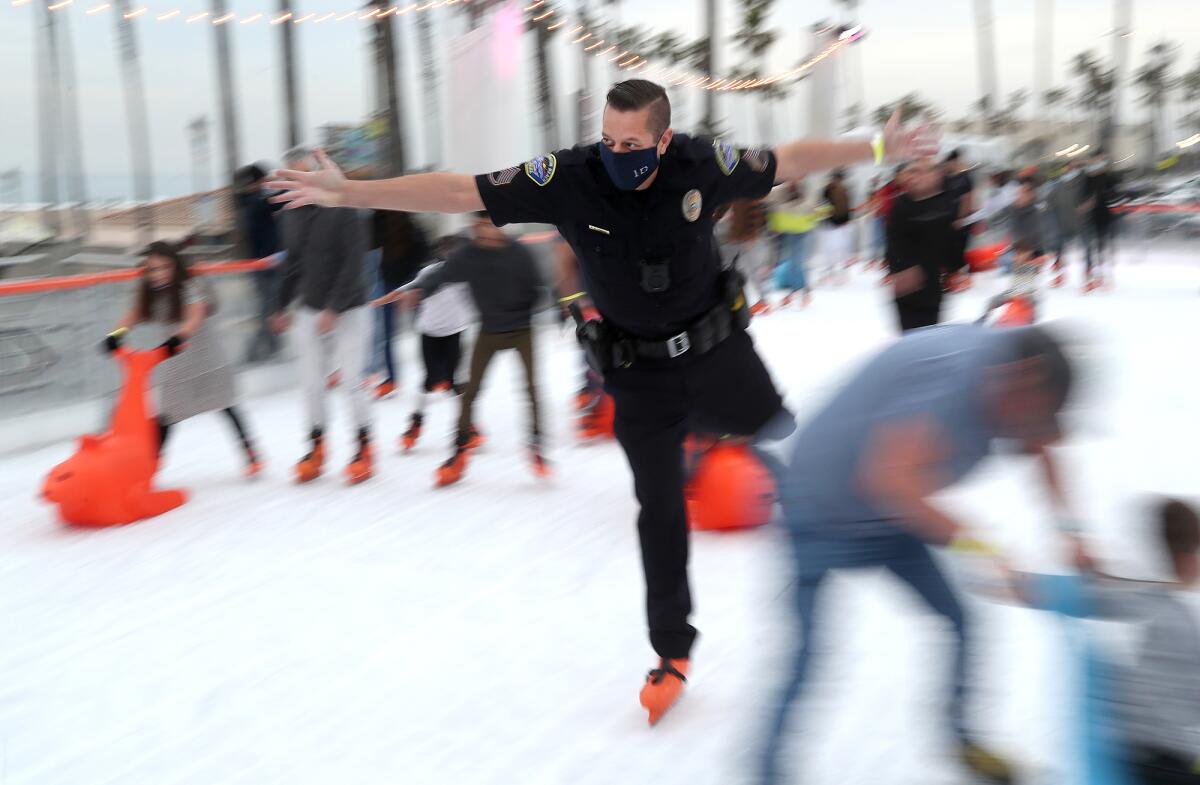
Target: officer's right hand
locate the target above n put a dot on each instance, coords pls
(325, 187)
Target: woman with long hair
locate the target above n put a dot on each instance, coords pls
(199, 379)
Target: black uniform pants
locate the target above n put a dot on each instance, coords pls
(727, 391)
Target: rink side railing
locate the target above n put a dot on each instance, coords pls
(51, 328)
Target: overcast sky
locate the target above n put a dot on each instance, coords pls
(927, 47)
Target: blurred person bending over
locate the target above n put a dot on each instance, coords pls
(637, 210)
(922, 244)
(506, 285)
(859, 490)
(326, 270)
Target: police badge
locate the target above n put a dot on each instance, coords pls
(727, 156)
(541, 169)
(692, 202)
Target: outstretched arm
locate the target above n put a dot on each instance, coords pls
(435, 192)
(801, 157)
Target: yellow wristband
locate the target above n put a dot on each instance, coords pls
(877, 147)
(119, 332)
(571, 297)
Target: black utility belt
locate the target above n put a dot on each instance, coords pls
(608, 348)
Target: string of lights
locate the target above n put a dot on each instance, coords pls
(591, 41)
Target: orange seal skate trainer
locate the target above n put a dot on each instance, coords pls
(729, 488)
(110, 479)
(663, 687)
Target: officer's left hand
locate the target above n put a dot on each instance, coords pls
(905, 144)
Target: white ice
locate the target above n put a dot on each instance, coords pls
(493, 632)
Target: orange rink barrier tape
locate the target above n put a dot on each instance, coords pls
(62, 283)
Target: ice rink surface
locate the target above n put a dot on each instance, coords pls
(493, 632)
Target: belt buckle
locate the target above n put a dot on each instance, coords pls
(678, 344)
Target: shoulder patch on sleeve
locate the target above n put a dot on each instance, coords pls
(504, 176)
(727, 155)
(541, 169)
(757, 159)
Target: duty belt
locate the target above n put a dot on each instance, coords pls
(703, 336)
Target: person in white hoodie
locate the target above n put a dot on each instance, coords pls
(442, 318)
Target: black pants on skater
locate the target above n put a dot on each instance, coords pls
(441, 355)
(727, 391)
(164, 430)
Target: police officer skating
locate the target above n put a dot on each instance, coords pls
(636, 209)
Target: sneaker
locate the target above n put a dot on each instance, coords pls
(760, 308)
(442, 387)
(409, 439)
(474, 439)
(663, 687)
(361, 468)
(311, 465)
(385, 389)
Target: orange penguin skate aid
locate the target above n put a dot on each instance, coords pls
(109, 479)
(663, 687)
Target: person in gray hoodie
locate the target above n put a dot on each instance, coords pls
(1027, 218)
(1066, 208)
(325, 270)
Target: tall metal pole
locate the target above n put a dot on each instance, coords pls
(429, 78)
(293, 134)
(1122, 36)
(387, 91)
(136, 117)
(985, 47)
(586, 127)
(46, 52)
(709, 65)
(75, 178)
(229, 115)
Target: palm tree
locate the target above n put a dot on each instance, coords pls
(291, 95)
(911, 106)
(1189, 84)
(136, 116)
(1095, 96)
(225, 88)
(755, 41)
(1156, 82)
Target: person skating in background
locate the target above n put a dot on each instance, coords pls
(1027, 219)
(859, 490)
(748, 248)
(1153, 702)
(403, 250)
(442, 318)
(922, 244)
(961, 188)
(1066, 201)
(259, 236)
(795, 219)
(836, 235)
(198, 377)
(506, 285)
(326, 270)
(1100, 223)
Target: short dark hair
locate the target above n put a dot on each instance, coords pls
(1180, 528)
(1038, 342)
(634, 95)
(248, 175)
